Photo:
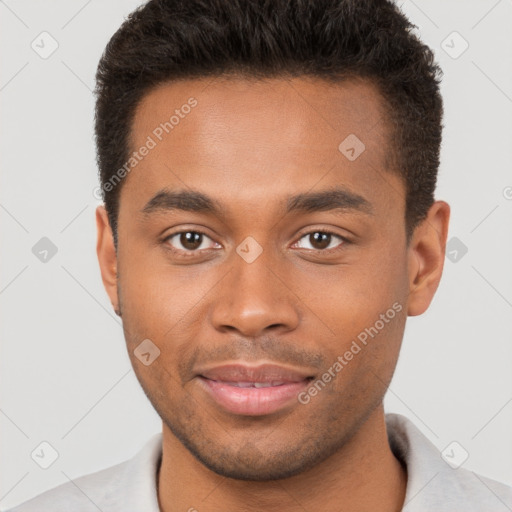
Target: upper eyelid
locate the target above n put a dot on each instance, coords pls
(317, 230)
(344, 239)
(172, 235)
(323, 230)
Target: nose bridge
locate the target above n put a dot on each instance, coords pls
(252, 298)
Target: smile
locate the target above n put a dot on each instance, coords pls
(243, 388)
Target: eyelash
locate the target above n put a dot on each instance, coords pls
(187, 253)
(344, 241)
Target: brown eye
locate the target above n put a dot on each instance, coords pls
(320, 240)
(190, 241)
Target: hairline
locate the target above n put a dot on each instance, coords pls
(391, 158)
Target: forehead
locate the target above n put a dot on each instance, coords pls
(235, 138)
(303, 110)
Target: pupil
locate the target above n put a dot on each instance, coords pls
(320, 240)
(191, 240)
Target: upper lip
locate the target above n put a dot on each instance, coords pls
(260, 373)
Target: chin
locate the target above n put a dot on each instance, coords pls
(250, 464)
(239, 470)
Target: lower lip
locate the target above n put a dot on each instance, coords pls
(253, 401)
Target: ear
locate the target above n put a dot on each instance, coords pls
(107, 257)
(426, 257)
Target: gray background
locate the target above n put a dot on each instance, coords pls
(65, 376)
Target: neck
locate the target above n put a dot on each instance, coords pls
(363, 475)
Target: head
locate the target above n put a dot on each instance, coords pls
(268, 171)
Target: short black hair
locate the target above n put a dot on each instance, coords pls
(167, 40)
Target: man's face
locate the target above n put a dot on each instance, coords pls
(300, 303)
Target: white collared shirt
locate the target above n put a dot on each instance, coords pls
(432, 484)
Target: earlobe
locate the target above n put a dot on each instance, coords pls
(107, 256)
(426, 257)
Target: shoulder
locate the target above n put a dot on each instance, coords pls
(112, 489)
(437, 480)
(81, 494)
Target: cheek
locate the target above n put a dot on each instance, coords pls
(156, 297)
(350, 297)
(360, 364)
(364, 305)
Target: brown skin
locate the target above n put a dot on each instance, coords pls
(250, 146)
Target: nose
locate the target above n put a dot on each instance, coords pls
(253, 299)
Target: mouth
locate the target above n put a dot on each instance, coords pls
(253, 390)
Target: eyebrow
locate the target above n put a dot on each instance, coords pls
(332, 199)
(340, 199)
(189, 201)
